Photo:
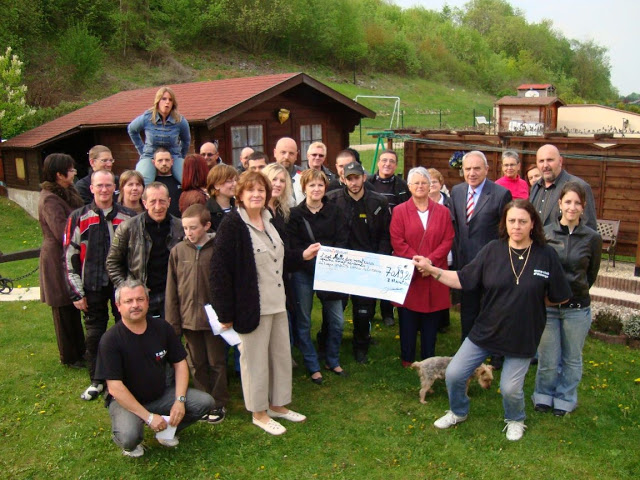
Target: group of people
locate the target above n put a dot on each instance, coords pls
(181, 231)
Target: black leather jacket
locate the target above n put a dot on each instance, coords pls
(579, 254)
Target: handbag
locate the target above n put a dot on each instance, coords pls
(323, 294)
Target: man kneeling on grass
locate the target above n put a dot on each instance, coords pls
(132, 359)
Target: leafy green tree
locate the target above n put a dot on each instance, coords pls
(592, 71)
(81, 54)
(13, 106)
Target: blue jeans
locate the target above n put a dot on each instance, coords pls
(469, 357)
(560, 357)
(148, 170)
(303, 287)
(128, 428)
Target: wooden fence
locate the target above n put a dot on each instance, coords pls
(610, 165)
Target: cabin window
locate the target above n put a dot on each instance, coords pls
(21, 173)
(246, 136)
(308, 135)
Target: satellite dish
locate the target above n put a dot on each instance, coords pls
(531, 94)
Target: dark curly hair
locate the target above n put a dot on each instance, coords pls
(537, 233)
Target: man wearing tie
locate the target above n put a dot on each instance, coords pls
(476, 206)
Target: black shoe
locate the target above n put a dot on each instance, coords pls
(215, 416)
(534, 361)
(317, 381)
(360, 356)
(389, 321)
(496, 361)
(559, 413)
(542, 408)
(340, 373)
(78, 364)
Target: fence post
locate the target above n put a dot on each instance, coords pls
(474, 117)
(440, 118)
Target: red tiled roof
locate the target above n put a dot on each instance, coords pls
(534, 86)
(197, 101)
(541, 101)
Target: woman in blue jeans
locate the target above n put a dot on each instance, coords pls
(516, 273)
(162, 126)
(560, 351)
(316, 221)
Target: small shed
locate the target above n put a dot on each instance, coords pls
(236, 112)
(531, 115)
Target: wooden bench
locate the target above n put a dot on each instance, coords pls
(608, 230)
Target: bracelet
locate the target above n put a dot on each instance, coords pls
(150, 419)
(439, 274)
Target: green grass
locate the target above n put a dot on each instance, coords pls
(19, 231)
(369, 425)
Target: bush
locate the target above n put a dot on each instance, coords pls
(81, 53)
(631, 326)
(607, 321)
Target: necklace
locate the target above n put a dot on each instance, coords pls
(520, 257)
(313, 208)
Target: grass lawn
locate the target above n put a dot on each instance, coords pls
(369, 425)
(18, 231)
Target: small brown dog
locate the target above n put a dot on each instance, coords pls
(434, 368)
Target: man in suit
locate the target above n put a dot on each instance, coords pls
(545, 193)
(476, 206)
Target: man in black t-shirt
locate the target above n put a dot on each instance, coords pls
(163, 161)
(367, 217)
(132, 358)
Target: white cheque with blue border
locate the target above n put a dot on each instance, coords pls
(363, 273)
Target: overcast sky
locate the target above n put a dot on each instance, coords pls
(613, 24)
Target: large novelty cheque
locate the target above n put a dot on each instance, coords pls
(362, 273)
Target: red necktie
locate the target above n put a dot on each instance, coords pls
(470, 205)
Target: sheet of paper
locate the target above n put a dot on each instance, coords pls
(362, 273)
(230, 336)
(169, 432)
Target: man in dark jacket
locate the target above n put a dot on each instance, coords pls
(395, 190)
(87, 240)
(367, 218)
(141, 245)
(100, 158)
(545, 193)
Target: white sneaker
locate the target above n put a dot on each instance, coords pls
(449, 420)
(169, 442)
(514, 429)
(135, 453)
(92, 391)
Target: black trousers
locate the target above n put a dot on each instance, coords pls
(363, 310)
(96, 319)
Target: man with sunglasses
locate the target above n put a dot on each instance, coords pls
(209, 150)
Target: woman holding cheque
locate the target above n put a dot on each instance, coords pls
(420, 226)
(517, 273)
(315, 220)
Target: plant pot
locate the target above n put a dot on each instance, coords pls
(634, 343)
(606, 338)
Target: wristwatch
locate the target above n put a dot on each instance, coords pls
(181, 399)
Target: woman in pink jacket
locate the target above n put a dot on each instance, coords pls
(421, 226)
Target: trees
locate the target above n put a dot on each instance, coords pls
(13, 106)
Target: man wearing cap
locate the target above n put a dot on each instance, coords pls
(367, 217)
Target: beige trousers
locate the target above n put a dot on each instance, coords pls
(265, 363)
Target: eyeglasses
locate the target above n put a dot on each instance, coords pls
(420, 184)
(108, 160)
(209, 154)
(320, 155)
(388, 160)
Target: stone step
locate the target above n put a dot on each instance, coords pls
(630, 285)
(615, 297)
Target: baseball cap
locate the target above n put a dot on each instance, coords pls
(353, 168)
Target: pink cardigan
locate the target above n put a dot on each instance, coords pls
(425, 293)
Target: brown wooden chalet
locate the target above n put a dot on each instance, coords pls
(237, 112)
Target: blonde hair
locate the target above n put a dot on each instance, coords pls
(282, 202)
(174, 108)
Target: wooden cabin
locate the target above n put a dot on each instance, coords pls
(236, 112)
